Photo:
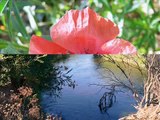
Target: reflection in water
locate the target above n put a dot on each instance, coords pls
(107, 100)
(60, 78)
(82, 102)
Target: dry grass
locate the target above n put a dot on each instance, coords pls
(19, 104)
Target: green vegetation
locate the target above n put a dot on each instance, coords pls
(36, 71)
(22, 79)
(138, 21)
(3, 5)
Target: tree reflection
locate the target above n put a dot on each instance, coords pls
(120, 78)
(107, 100)
(37, 71)
(60, 79)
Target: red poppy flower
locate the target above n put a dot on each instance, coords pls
(39, 45)
(82, 32)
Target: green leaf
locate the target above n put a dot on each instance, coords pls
(9, 50)
(19, 21)
(107, 4)
(3, 4)
(131, 7)
(22, 49)
(3, 44)
(9, 21)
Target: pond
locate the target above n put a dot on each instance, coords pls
(81, 103)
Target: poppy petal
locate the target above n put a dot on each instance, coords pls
(39, 45)
(118, 46)
(83, 31)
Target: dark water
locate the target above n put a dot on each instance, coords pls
(81, 103)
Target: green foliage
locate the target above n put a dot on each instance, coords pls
(36, 71)
(3, 4)
(137, 23)
(139, 26)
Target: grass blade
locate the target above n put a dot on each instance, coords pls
(3, 4)
(19, 20)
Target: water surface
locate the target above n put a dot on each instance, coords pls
(81, 103)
